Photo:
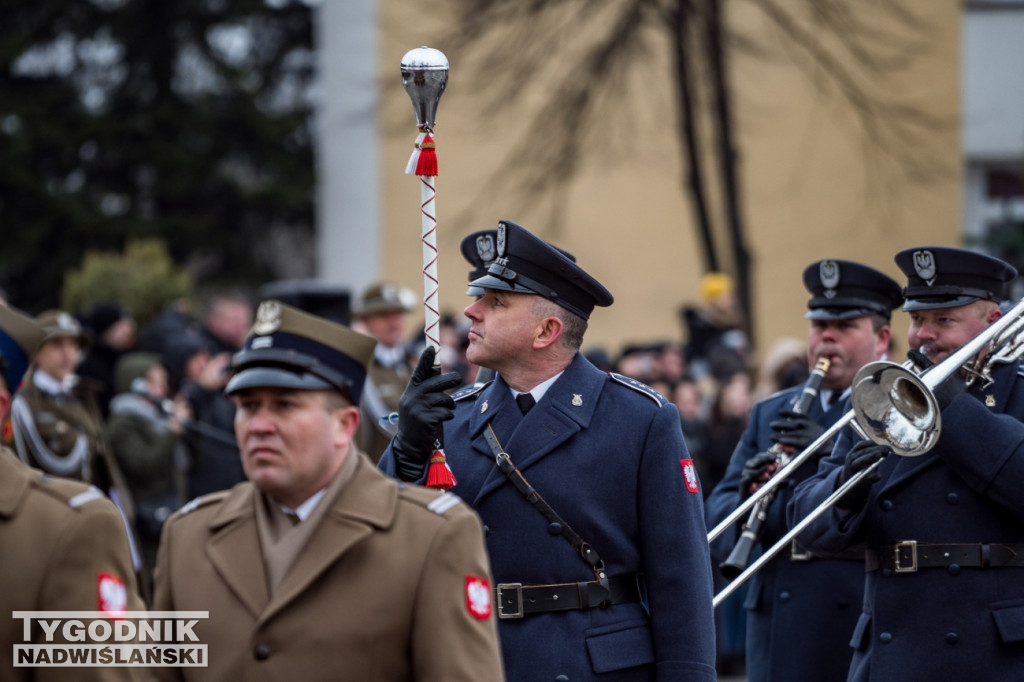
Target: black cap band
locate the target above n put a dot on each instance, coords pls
(298, 355)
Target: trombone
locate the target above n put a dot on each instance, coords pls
(892, 406)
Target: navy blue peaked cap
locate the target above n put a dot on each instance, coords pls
(527, 264)
(944, 277)
(480, 249)
(843, 290)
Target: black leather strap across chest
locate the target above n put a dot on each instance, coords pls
(516, 600)
(588, 553)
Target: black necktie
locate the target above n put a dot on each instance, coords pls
(834, 398)
(525, 402)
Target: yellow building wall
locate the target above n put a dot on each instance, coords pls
(809, 189)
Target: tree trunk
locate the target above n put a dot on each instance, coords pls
(727, 157)
(691, 145)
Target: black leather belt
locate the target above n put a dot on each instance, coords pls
(515, 600)
(907, 556)
(796, 552)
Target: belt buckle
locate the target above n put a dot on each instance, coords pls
(798, 553)
(500, 590)
(898, 565)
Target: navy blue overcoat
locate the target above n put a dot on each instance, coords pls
(800, 613)
(608, 455)
(947, 622)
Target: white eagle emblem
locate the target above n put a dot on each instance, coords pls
(268, 318)
(924, 266)
(485, 248)
(501, 240)
(829, 273)
(690, 475)
(478, 597)
(112, 594)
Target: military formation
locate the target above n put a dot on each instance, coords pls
(545, 520)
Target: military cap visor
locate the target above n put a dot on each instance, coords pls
(843, 313)
(845, 290)
(529, 265)
(943, 277)
(278, 377)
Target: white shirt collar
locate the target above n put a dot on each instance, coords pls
(49, 384)
(307, 507)
(389, 357)
(540, 389)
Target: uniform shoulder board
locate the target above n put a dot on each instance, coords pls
(469, 392)
(443, 503)
(202, 501)
(74, 493)
(639, 387)
(93, 493)
(425, 497)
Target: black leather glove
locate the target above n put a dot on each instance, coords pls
(421, 410)
(948, 390)
(860, 457)
(756, 471)
(798, 431)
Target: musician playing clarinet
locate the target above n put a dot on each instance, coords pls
(802, 607)
(943, 531)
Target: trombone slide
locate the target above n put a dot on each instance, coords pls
(786, 539)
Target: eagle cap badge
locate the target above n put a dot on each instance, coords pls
(924, 266)
(485, 248)
(501, 240)
(268, 318)
(828, 271)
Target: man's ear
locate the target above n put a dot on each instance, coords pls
(5, 401)
(548, 331)
(348, 418)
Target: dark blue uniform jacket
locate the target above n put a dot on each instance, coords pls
(609, 458)
(951, 622)
(800, 613)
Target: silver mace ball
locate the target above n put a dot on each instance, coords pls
(424, 77)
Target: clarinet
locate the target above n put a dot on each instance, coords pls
(754, 526)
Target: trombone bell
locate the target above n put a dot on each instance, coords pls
(895, 408)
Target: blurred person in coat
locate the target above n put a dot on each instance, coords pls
(610, 578)
(214, 461)
(56, 420)
(144, 431)
(112, 333)
(319, 567)
(941, 532)
(64, 542)
(801, 606)
(381, 312)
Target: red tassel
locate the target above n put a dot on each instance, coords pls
(439, 475)
(426, 164)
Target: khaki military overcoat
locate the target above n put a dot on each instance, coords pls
(64, 548)
(392, 585)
